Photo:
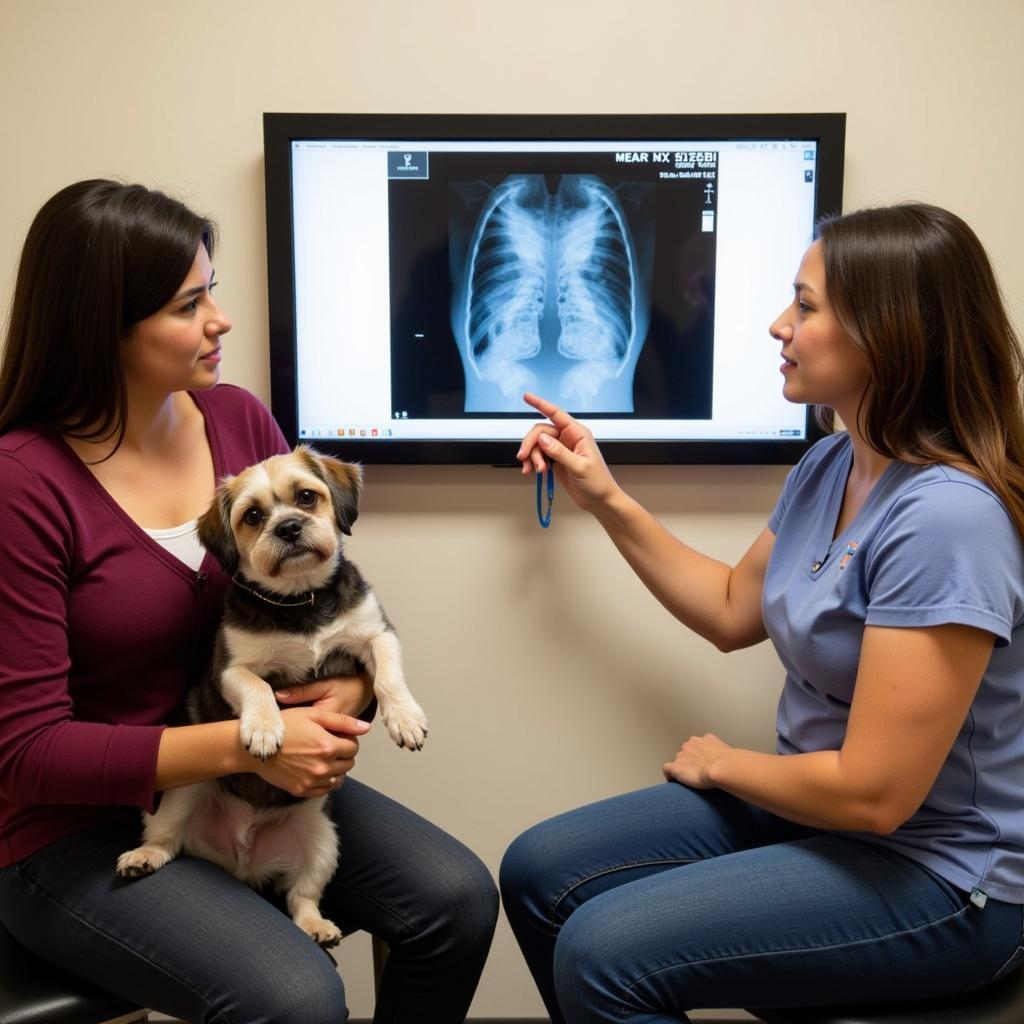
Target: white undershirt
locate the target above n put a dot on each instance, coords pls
(182, 542)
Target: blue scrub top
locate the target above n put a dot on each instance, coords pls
(930, 545)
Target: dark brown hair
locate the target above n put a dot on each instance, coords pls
(99, 257)
(913, 287)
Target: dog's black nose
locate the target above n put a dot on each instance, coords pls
(288, 530)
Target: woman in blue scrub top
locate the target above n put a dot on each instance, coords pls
(878, 855)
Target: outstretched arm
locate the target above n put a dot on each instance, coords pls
(720, 602)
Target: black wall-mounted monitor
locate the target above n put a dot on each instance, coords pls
(426, 270)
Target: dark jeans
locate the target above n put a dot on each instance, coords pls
(192, 942)
(636, 909)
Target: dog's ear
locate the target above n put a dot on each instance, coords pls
(344, 480)
(214, 529)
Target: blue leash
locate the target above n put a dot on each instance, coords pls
(545, 517)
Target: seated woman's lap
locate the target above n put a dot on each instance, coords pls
(192, 942)
(643, 906)
(188, 940)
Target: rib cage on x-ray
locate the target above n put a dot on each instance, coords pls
(531, 247)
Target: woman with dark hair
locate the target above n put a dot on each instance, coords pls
(878, 855)
(113, 431)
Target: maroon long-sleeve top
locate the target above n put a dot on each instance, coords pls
(102, 630)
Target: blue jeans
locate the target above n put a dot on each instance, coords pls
(638, 908)
(194, 943)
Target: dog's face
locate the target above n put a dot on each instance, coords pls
(280, 522)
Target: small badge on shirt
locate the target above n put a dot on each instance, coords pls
(848, 554)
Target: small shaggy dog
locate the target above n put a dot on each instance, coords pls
(298, 610)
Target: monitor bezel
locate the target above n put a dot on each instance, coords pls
(281, 129)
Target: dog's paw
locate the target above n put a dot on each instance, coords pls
(323, 932)
(406, 725)
(143, 860)
(262, 733)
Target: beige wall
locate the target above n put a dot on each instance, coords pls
(550, 676)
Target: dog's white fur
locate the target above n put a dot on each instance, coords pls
(203, 819)
(182, 823)
(360, 632)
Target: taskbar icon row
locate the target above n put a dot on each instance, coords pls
(363, 433)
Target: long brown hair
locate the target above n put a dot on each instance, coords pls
(913, 287)
(99, 257)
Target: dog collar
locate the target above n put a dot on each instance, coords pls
(308, 598)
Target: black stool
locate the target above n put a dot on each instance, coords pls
(1002, 1002)
(34, 992)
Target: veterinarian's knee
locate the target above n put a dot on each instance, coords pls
(589, 972)
(526, 868)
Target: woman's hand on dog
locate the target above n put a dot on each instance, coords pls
(319, 750)
(346, 695)
(579, 465)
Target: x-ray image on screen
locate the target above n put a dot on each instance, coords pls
(551, 289)
(566, 274)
